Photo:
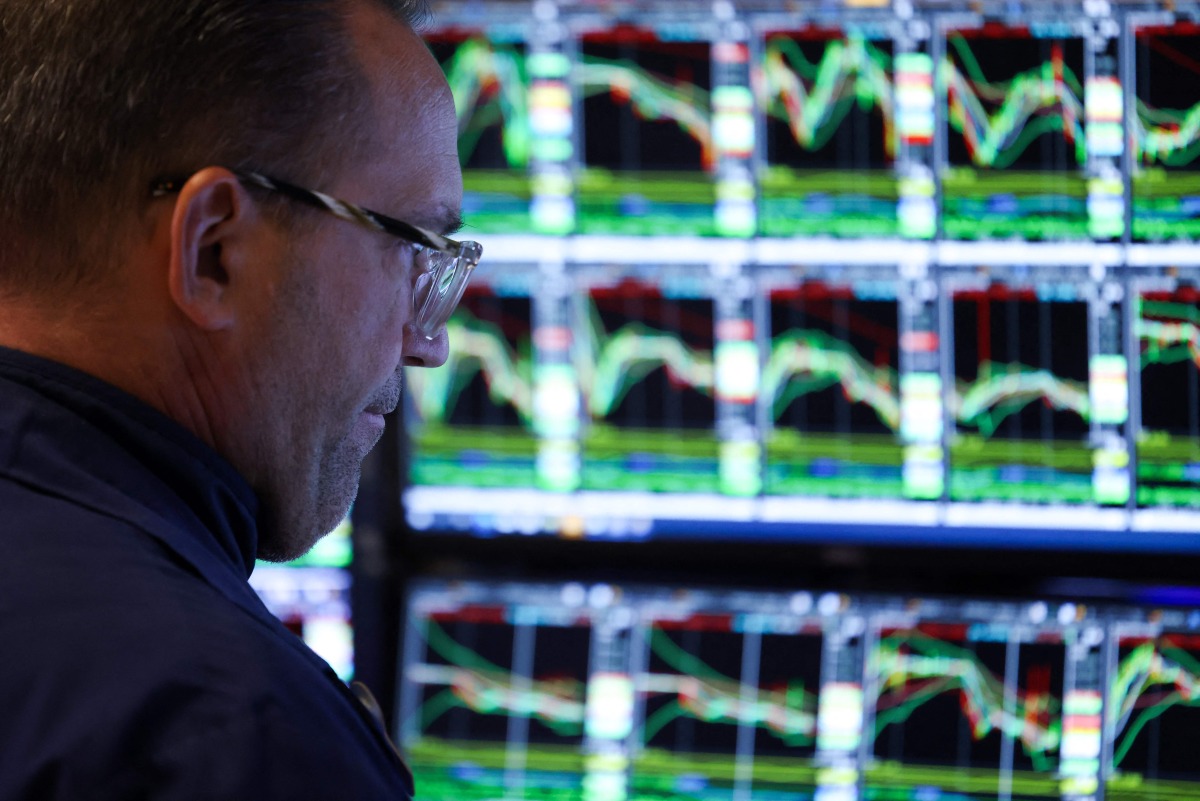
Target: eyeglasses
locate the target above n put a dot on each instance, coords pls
(444, 265)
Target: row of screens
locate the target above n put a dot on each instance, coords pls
(625, 400)
(1030, 122)
(605, 692)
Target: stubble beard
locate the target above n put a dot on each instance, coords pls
(290, 527)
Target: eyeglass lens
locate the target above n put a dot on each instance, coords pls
(439, 287)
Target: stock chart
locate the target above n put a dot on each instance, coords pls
(491, 88)
(648, 151)
(472, 421)
(927, 271)
(1170, 380)
(1152, 714)
(976, 715)
(646, 369)
(1021, 400)
(1166, 132)
(830, 134)
(1016, 139)
(572, 691)
(757, 272)
(499, 705)
(724, 707)
(832, 385)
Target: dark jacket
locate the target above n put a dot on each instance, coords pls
(135, 660)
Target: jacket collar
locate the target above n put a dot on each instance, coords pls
(71, 435)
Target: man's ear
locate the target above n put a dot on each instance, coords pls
(210, 233)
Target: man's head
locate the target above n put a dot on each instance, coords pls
(97, 96)
(272, 330)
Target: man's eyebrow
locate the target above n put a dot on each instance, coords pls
(446, 220)
(452, 222)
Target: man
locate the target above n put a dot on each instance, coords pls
(196, 352)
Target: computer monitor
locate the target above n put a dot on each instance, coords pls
(311, 595)
(572, 690)
(907, 273)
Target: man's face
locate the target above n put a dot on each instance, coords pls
(340, 326)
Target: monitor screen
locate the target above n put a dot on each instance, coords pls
(914, 273)
(311, 596)
(596, 690)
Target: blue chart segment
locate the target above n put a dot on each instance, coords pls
(1016, 144)
(947, 702)
(708, 726)
(1166, 132)
(648, 147)
(1153, 715)
(501, 709)
(830, 135)
(645, 363)
(1168, 447)
(831, 383)
(1020, 401)
(491, 95)
(471, 420)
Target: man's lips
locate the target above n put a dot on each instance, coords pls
(386, 404)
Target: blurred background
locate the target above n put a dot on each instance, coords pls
(823, 421)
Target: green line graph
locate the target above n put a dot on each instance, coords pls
(800, 362)
(610, 365)
(1167, 136)
(1002, 390)
(1171, 340)
(482, 687)
(911, 668)
(804, 361)
(489, 85)
(476, 346)
(1148, 668)
(1165, 128)
(1042, 100)
(850, 72)
(653, 97)
(708, 695)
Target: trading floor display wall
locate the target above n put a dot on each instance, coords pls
(762, 277)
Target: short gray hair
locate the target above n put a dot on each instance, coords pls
(98, 97)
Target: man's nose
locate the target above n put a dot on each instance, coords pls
(420, 351)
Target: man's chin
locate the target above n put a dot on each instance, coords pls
(270, 550)
(288, 542)
(290, 523)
